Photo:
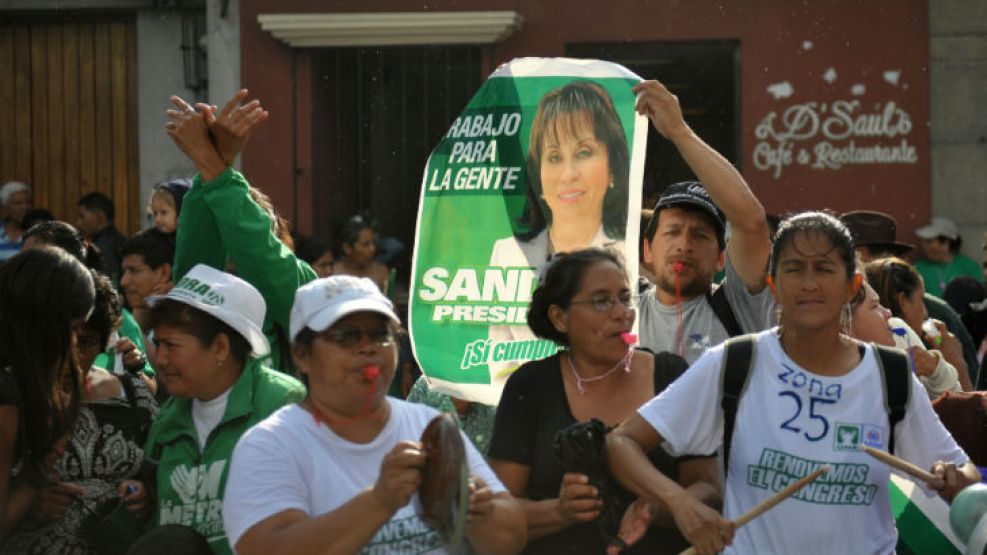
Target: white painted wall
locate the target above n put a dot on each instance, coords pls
(958, 97)
(159, 75)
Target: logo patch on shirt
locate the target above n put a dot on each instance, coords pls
(847, 437)
(698, 342)
(850, 437)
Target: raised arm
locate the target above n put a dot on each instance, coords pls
(226, 223)
(702, 526)
(750, 242)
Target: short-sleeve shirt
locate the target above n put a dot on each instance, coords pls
(532, 410)
(291, 462)
(702, 329)
(789, 423)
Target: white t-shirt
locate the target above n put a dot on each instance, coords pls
(288, 462)
(789, 422)
(207, 414)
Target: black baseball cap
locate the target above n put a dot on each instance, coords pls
(692, 193)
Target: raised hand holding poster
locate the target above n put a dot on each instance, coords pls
(546, 158)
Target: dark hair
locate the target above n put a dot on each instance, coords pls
(350, 233)
(562, 281)
(890, 276)
(107, 308)
(826, 225)
(169, 540)
(962, 293)
(41, 292)
(202, 326)
(310, 249)
(558, 107)
(155, 247)
(279, 226)
(98, 202)
(59, 234)
(35, 216)
(652, 226)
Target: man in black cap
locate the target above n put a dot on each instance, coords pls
(875, 236)
(685, 246)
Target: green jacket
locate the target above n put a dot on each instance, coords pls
(190, 482)
(220, 222)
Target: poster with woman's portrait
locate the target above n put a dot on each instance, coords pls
(546, 158)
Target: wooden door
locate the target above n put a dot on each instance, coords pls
(68, 113)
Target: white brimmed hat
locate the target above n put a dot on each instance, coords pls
(225, 297)
(939, 227)
(321, 303)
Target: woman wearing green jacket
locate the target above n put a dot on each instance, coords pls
(223, 225)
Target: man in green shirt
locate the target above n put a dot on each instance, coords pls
(941, 261)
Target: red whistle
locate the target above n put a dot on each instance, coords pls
(629, 338)
(370, 373)
(677, 266)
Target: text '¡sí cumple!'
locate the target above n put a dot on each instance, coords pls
(472, 164)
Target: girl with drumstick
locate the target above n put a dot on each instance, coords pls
(813, 396)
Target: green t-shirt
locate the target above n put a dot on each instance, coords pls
(937, 275)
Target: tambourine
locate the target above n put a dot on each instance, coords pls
(444, 493)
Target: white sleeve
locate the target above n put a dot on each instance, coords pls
(688, 414)
(920, 437)
(264, 480)
(943, 378)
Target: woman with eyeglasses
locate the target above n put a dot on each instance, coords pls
(338, 472)
(585, 304)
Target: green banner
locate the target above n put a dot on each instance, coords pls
(547, 157)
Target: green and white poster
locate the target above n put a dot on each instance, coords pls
(547, 157)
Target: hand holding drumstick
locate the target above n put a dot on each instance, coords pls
(770, 502)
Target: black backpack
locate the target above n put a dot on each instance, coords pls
(717, 300)
(737, 359)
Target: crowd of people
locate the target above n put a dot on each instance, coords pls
(214, 384)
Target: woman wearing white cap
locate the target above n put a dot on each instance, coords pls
(338, 472)
(207, 330)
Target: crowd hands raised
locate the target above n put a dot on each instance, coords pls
(230, 396)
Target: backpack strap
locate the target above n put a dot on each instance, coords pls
(897, 386)
(738, 357)
(721, 307)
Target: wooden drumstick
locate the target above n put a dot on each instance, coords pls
(905, 466)
(770, 502)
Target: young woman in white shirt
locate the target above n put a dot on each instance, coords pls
(813, 396)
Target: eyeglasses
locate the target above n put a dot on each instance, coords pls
(605, 304)
(349, 336)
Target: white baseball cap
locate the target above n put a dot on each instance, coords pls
(225, 297)
(939, 227)
(321, 303)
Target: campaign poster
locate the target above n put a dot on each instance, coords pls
(546, 158)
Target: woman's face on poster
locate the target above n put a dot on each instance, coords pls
(575, 169)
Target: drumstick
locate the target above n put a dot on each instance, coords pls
(770, 502)
(905, 466)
